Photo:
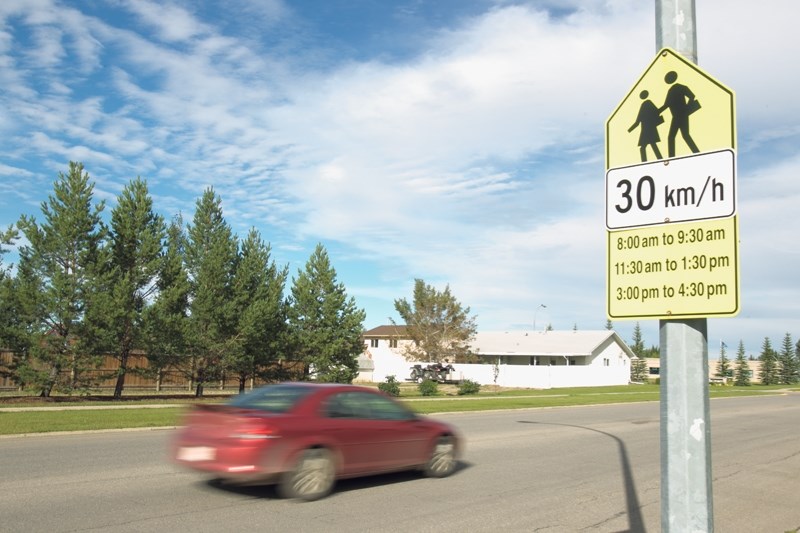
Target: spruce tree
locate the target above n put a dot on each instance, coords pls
(7, 311)
(640, 370)
(165, 321)
(260, 312)
(741, 375)
(723, 363)
(769, 364)
(59, 265)
(637, 345)
(788, 367)
(128, 281)
(211, 254)
(326, 325)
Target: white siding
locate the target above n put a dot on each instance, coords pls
(609, 365)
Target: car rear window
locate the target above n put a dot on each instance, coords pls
(272, 398)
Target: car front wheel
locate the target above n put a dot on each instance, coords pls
(312, 477)
(442, 462)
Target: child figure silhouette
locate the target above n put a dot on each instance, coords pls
(649, 118)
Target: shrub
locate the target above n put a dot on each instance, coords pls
(390, 387)
(468, 387)
(428, 387)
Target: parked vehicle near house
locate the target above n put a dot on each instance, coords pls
(435, 372)
(305, 436)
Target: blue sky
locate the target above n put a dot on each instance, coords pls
(457, 141)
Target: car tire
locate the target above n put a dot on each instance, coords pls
(443, 459)
(312, 477)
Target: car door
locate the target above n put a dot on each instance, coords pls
(374, 433)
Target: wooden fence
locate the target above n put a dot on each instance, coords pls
(139, 377)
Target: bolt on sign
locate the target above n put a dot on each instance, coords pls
(671, 196)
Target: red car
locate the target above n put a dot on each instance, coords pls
(304, 436)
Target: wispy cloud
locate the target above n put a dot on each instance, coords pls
(473, 156)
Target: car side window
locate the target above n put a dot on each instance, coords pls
(386, 409)
(344, 405)
(365, 406)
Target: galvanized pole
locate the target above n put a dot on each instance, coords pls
(675, 27)
(686, 493)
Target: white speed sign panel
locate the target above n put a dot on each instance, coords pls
(682, 189)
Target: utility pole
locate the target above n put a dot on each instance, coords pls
(686, 492)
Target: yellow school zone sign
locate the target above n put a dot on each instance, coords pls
(710, 127)
(672, 247)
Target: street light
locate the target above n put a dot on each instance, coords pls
(541, 306)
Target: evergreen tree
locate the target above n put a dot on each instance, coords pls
(260, 311)
(769, 364)
(58, 267)
(609, 324)
(325, 324)
(211, 255)
(723, 363)
(797, 354)
(640, 371)
(439, 326)
(788, 365)
(128, 282)
(742, 371)
(165, 321)
(7, 304)
(653, 352)
(637, 344)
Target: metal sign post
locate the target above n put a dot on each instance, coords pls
(672, 243)
(686, 493)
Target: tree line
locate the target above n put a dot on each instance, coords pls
(778, 367)
(192, 296)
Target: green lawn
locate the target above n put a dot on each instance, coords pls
(87, 420)
(41, 421)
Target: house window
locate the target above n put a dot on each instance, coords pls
(392, 343)
(373, 343)
(606, 362)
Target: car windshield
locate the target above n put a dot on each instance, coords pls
(273, 398)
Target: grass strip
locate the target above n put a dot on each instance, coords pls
(558, 398)
(43, 421)
(88, 420)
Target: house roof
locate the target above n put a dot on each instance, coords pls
(386, 331)
(569, 343)
(522, 343)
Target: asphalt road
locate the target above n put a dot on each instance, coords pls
(555, 470)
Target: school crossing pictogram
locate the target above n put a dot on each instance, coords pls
(681, 103)
(674, 109)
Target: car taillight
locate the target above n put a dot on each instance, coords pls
(256, 432)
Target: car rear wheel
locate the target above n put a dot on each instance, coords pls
(312, 477)
(442, 462)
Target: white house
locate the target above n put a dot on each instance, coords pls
(542, 359)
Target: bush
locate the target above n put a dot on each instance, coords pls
(390, 387)
(468, 387)
(428, 387)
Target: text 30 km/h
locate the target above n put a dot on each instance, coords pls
(696, 187)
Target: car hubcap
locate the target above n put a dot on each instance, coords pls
(314, 475)
(443, 459)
